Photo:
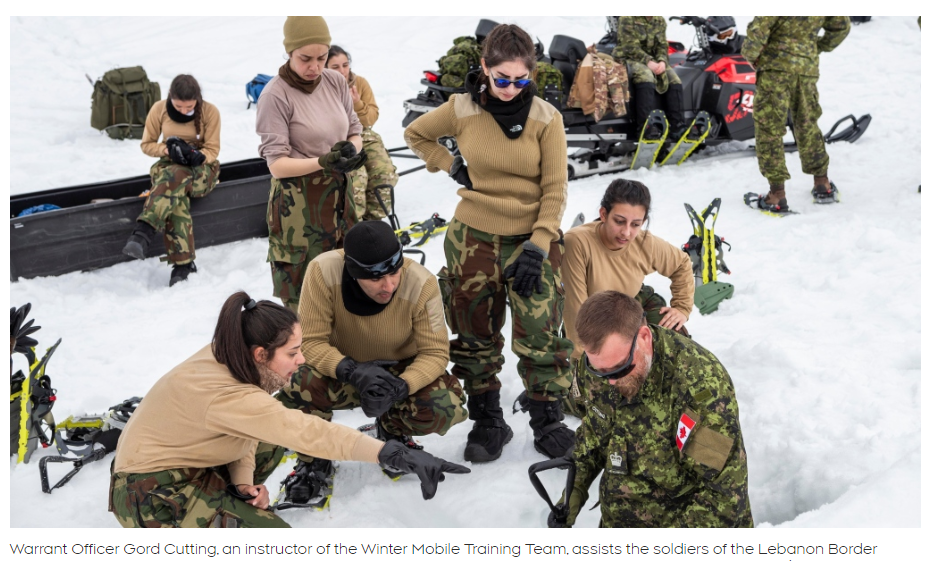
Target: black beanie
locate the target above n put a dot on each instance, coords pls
(370, 242)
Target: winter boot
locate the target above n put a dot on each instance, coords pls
(490, 433)
(775, 200)
(310, 485)
(824, 192)
(139, 240)
(644, 102)
(675, 112)
(181, 272)
(551, 437)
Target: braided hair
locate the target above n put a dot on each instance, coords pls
(185, 88)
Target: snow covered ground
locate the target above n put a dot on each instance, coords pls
(822, 337)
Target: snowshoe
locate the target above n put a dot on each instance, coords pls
(651, 140)
(825, 195)
(758, 201)
(310, 485)
(690, 141)
(578, 220)
(375, 430)
(422, 230)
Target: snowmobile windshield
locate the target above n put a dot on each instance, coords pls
(619, 372)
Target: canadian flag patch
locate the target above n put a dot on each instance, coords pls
(683, 430)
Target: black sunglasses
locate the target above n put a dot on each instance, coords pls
(620, 371)
(386, 267)
(519, 84)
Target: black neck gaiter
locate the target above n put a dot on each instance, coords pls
(511, 116)
(355, 299)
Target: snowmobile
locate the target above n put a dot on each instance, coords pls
(715, 79)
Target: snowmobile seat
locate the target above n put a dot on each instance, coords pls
(566, 53)
(483, 28)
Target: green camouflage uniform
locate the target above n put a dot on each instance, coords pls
(648, 481)
(475, 296)
(168, 206)
(304, 220)
(379, 170)
(641, 39)
(190, 498)
(433, 409)
(784, 50)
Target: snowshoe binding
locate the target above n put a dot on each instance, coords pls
(375, 430)
(758, 201)
(310, 485)
(690, 141)
(652, 138)
(825, 194)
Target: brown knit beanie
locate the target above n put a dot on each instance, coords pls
(305, 30)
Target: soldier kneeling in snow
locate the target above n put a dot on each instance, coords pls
(661, 422)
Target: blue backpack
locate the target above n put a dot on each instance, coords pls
(255, 87)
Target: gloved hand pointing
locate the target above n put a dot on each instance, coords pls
(428, 467)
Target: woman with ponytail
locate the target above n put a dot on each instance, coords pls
(198, 448)
(187, 167)
(503, 245)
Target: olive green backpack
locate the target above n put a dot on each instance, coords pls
(121, 101)
(464, 55)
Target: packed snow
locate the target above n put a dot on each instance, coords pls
(821, 338)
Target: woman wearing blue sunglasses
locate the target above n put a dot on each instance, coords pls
(503, 246)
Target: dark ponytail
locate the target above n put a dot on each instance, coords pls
(245, 324)
(185, 88)
(625, 191)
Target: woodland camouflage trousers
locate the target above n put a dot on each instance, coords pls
(168, 206)
(476, 296)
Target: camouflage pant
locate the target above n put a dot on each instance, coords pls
(641, 74)
(303, 221)
(168, 206)
(433, 409)
(379, 170)
(188, 498)
(777, 95)
(574, 403)
(476, 295)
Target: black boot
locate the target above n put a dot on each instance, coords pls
(490, 433)
(675, 111)
(181, 272)
(644, 102)
(139, 240)
(551, 437)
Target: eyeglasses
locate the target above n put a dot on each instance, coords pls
(620, 371)
(519, 84)
(386, 267)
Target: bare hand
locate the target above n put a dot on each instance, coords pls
(672, 318)
(658, 67)
(166, 151)
(260, 492)
(354, 92)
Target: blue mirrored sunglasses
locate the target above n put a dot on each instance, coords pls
(519, 84)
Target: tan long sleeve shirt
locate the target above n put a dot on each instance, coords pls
(519, 185)
(159, 124)
(199, 416)
(365, 108)
(411, 325)
(589, 267)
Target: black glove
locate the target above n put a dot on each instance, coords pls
(182, 153)
(428, 467)
(20, 340)
(558, 518)
(342, 158)
(459, 171)
(527, 270)
(378, 389)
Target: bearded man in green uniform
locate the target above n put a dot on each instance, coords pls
(661, 423)
(785, 52)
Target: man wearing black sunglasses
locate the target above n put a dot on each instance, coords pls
(374, 336)
(661, 423)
